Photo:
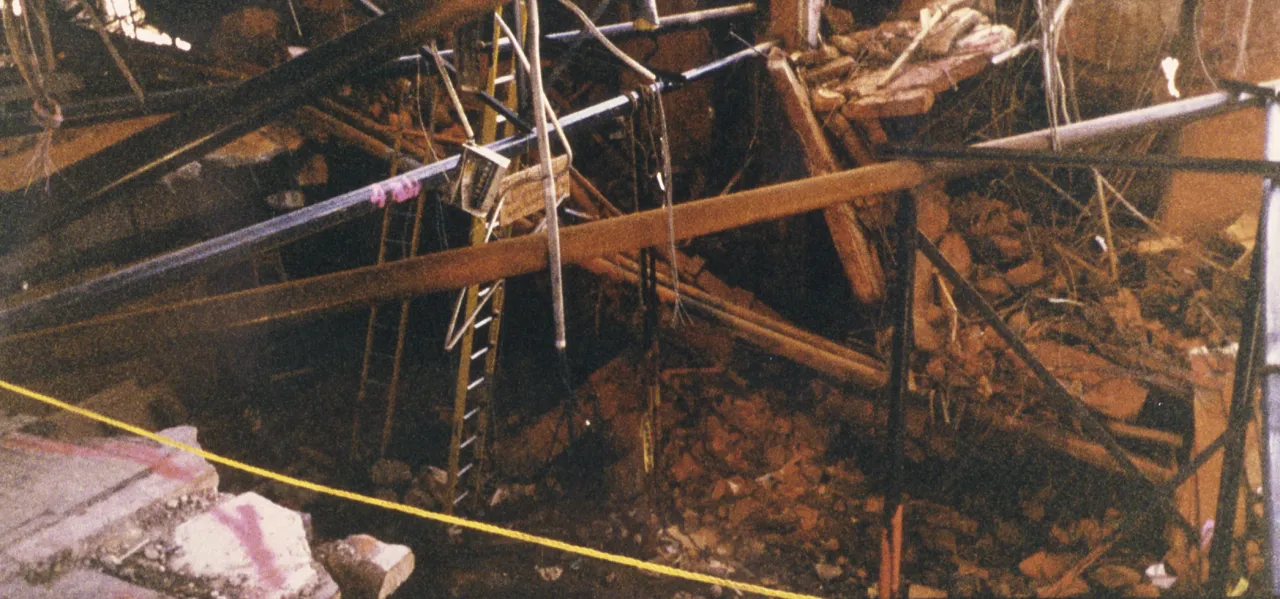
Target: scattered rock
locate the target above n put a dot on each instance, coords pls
(1118, 398)
(956, 251)
(549, 573)
(1045, 567)
(1027, 274)
(1115, 576)
(252, 539)
(390, 473)
(366, 568)
(685, 469)
(808, 517)
(744, 508)
(828, 572)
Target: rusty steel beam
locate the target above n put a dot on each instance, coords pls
(158, 150)
(139, 332)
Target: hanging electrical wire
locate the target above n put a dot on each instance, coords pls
(548, 177)
(648, 75)
(524, 64)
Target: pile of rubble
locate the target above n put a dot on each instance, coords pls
(120, 516)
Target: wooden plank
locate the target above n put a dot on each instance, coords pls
(521, 192)
(857, 255)
(116, 337)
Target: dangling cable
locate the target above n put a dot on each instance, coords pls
(453, 93)
(524, 63)
(648, 75)
(653, 109)
(548, 177)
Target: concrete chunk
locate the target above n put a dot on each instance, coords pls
(79, 584)
(67, 497)
(251, 539)
(366, 568)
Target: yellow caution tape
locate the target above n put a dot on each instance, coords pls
(413, 511)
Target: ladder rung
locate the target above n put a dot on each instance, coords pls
(382, 355)
(461, 497)
(377, 382)
(463, 471)
(505, 79)
(475, 383)
(482, 322)
(482, 351)
(468, 415)
(467, 442)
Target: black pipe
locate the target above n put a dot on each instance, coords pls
(139, 280)
(1243, 385)
(156, 151)
(1064, 400)
(901, 314)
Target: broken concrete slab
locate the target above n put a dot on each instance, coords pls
(251, 539)
(61, 498)
(366, 568)
(78, 584)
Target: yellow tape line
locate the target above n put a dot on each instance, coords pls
(413, 511)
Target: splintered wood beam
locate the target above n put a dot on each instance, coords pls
(858, 256)
(769, 335)
(110, 337)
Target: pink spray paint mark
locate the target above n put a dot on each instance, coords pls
(158, 459)
(247, 528)
(404, 188)
(1206, 535)
(377, 195)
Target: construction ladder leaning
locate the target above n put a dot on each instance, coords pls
(478, 346)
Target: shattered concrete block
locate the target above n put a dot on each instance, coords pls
(251, 539)
(64, 499)
(366, 568)
(79, 584)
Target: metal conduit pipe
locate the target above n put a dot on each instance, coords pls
(100, 295)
